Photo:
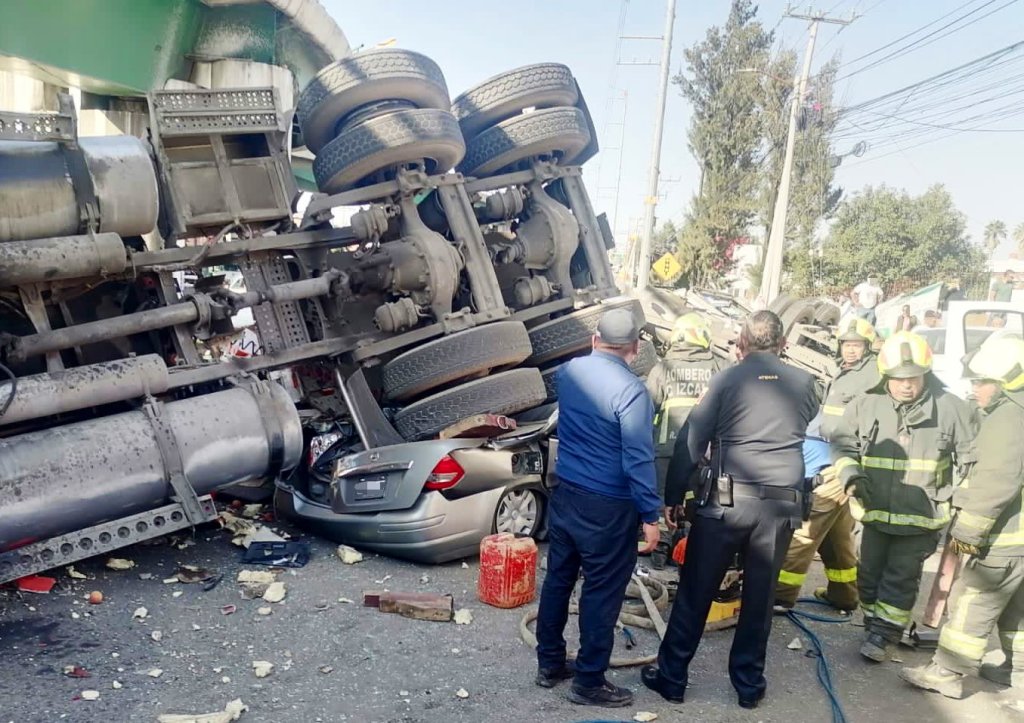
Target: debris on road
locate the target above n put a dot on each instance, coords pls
(463, 616)
(116, 685)
(418, 606)
(157, 636)
(155, 673)
(275, 592)
(89, 695)
(189, 574)
(171, 580)
(465, 566)
(256, 576)
(253, 511)
(228, 609)
(349, 555)
(95, 597)
(383, 580)
(232, 712)
(119, 563)
(76, 671)
(346, 601)
(462, 693)
(74, 574)
(644, 716)
(326, 669)
(265, 610)
(262, 668)
(177, 593)
(140, 613)
(277, 553)
(38, 584)
(242, 530)
(795, 644)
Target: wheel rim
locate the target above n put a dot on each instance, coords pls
(518, 512)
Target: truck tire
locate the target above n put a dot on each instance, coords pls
(780, 304)
(571, 333)
(641, 366)
(366, 78)
(544, 85)
(505, 393)
(560, 132)
(405, 136)
(826, 314)
(798, 312)
(646, 358)
(454, 357)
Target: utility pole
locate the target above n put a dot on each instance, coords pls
(651, 201)
(771, 277)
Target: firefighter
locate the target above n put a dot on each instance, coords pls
(895, 450)
(989, 528)
(678, 381)
(830, 526)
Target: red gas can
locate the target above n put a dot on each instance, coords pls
(508, 570)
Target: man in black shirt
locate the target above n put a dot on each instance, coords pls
(754, 418)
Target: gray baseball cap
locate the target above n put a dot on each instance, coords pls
(618, 327)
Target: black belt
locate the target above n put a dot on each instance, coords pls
(765, 492)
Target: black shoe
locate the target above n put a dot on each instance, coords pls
(604, 696)
(751, 703)
(550, 677)
(651, 677)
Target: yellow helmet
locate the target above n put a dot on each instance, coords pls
(692, 329)
(904, 355)
(853, 328)
(1000, 360)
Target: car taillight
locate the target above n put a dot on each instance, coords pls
(446, 474)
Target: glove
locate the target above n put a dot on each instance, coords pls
(850, 488)
(831, 488)
(963, 548)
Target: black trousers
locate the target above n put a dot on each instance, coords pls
(597, 534)
(760, 530)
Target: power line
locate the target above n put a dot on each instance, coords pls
(919, 43)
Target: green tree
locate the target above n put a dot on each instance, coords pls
(995, 233)
(740, 94)
(725, 137)
(1018, 237)
(905, 241)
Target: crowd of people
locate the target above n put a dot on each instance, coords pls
(760, 468)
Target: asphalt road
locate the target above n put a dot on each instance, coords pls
(337, 661)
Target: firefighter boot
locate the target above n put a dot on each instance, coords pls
(875, 647)
(936, 678)
(999, 674)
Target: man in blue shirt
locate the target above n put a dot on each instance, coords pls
(607, 487)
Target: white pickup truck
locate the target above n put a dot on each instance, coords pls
(967, 325)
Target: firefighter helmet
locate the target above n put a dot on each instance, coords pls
(692, 329)
(1001, 360)
(856, 329)
(904, 355)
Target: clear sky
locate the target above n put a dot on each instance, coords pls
(475, 39)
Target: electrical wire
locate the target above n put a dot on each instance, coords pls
(14, 389)
(824, 670)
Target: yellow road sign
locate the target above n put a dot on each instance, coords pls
(666, 267)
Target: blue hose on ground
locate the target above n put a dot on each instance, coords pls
(824, 670)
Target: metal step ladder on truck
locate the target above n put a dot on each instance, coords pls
(475, 263)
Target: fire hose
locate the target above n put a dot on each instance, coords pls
(646, 614)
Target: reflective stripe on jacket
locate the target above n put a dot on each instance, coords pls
(990, 503)
(904, 455)
(847, 384)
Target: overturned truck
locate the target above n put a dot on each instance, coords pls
(474, 265)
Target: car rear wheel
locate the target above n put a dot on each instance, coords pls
(544, 85)
(505, 393)
(558, 132)
(454, 357)
(572, 333)
(519, 512)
